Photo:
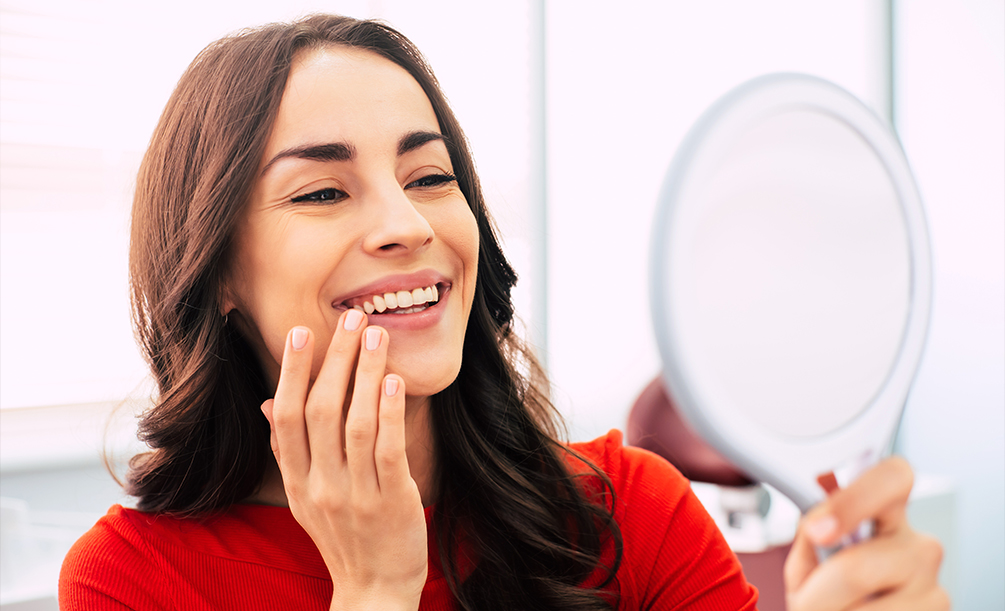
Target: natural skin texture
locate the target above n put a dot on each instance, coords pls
(350, 427)
(361, 507)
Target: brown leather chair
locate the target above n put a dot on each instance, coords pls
(656, 425)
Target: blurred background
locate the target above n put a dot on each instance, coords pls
(574, 110)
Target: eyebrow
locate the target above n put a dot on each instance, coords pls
(413, 140)
(342, 151)
(333, 151)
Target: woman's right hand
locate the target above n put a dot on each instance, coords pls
(349, 484)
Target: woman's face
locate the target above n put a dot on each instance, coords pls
(355, 205)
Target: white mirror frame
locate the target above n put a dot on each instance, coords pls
(790, 464)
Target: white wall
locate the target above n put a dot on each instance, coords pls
(951, 118)
(626, 81)
(84, 83)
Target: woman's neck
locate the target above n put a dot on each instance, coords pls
(419, 448)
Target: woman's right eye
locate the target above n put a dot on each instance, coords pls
(319, 196)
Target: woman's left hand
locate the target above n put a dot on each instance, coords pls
(896, 569)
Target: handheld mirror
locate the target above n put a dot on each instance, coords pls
(791, 282)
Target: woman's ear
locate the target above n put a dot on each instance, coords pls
(227, 298)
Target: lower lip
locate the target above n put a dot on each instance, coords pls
(415, 321)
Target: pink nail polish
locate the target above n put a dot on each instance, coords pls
(390, 386)
(353, 318)
(372, 339)
(299, 338)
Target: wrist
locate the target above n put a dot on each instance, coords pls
(374, 601)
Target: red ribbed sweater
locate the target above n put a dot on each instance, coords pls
(258, 557)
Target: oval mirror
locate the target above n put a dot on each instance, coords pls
(791, 282)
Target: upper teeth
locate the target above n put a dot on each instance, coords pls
(400, 299)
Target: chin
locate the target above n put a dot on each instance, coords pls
(424, 378)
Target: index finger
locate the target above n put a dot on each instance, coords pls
(327, 400)
(879, 494)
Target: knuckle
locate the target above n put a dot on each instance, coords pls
(284, 418)
(315, 413)
(386, 458)
(358, 432)
(326, 497)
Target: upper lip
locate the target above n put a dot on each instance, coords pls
(393, 284)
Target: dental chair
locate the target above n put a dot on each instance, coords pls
(757, 523)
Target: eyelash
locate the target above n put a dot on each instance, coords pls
(321, 195)
(331, 194)
(432, 180)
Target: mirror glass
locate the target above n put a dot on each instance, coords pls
(791, 282)
(792, 289)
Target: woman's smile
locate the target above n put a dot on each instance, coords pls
(356, 206)
(394, 304)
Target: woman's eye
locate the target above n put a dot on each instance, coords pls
(432, 180)
(321, 195)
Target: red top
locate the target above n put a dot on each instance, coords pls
(258, 557)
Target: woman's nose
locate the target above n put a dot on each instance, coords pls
(397, 227)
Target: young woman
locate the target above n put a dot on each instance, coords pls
(343, 420)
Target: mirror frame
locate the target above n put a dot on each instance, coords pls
(788, 463)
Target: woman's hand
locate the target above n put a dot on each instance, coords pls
(896, 569)
(348, 484)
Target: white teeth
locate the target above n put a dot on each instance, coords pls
(401, 302)
(409, 310)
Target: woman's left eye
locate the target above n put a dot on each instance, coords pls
(319, 196)
(432, 180)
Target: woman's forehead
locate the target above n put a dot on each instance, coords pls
(341, 93)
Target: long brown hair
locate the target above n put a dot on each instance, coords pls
(538, 527)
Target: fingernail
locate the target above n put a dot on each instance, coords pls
(390, 386)
(821, 529)
(372, 339)
(353, 318)
(299, 339)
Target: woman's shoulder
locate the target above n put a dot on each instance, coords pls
(140, 560)
(111, 565)
(257, 534)
(674, 555)
(633, 471)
